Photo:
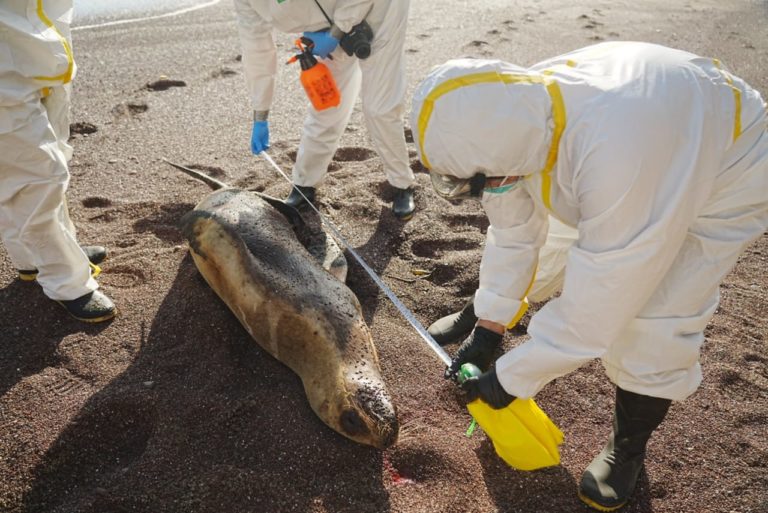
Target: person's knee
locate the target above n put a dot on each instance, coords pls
(383, 109)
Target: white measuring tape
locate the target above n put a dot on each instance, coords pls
(383, 286)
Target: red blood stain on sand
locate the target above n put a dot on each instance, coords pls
(394, 474)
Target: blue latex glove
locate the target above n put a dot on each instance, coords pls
(325, 43)
(260, 137)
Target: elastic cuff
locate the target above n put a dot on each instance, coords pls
(260, 115)
(337, 32)
(492, 307)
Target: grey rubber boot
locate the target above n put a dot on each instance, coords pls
(454, 327)
(608, 482)
(296, 200)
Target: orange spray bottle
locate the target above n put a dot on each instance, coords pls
(316, 78)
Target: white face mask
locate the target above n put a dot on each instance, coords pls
(453, 188)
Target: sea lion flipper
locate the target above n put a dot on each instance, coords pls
(312, 236)
(293, 215)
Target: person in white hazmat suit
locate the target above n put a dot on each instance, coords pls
(334, 27)
(660, 158)
(36, 69)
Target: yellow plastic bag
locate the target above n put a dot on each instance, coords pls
(522, 434)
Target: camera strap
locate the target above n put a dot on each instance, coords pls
(324, 13)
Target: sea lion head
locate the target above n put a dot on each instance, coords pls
(367, 414)
(353, 401)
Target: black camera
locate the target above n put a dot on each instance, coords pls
(357, 41)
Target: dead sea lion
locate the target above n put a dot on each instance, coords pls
(247, 250)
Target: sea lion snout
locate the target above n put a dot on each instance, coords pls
(370, 418)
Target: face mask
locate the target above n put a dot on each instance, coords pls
(505, 185)
(453, 188)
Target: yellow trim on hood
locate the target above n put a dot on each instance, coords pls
(67, 75)
(736, 99)
(558, 113)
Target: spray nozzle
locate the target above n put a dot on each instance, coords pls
(305, 56)
(468, 370)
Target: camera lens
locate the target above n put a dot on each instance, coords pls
(362, 50)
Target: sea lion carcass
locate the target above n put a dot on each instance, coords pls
(247, 250)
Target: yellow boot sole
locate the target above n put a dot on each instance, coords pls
(599, 507)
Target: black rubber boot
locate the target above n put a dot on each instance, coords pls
(610, 479)
(296, 200)
(95, 254)
(403, 204)
(92, 307)
(454, 327)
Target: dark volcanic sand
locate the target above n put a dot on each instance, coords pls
(173, 408)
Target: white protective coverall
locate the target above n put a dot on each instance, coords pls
(36, 67)
(379, 79)
(659, 158)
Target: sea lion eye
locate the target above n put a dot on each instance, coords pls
(352, 423)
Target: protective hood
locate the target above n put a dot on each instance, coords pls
(472, 115)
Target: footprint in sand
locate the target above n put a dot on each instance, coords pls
(435, 248)
(417, 166)
(129, 109)
(344, 154)
(124, 276)
(478, 221)
(63, 383)
(454, 275)
(96, 202)
(162, 221)
(164, 84)
(353, 154)
(126, 243)
(410, 465)
(589, 23)
(223, 73)
(734, 382)
(82, 128)
(752, 419)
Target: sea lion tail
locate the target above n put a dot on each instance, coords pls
(212, 182)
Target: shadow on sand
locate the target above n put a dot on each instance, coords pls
(31, 333)
(203, 420)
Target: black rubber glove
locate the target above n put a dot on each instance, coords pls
(478, 348)
(488, 389)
